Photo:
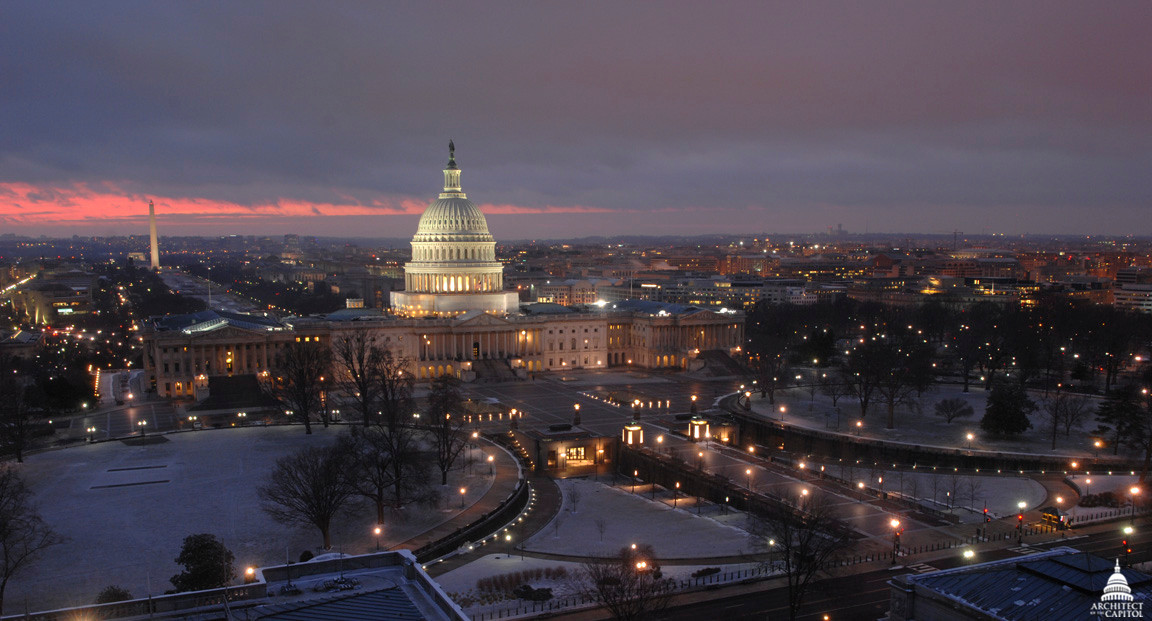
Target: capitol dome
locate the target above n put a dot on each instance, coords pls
(453, 267)
(452, 216)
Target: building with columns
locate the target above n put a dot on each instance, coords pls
(454, 318)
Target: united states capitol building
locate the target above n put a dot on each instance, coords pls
(454, 317)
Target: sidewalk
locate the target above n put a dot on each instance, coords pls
(545, 504)
(506, 480)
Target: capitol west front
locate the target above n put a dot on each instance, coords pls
(454, 317)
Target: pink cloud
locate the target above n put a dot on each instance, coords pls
(23, 204)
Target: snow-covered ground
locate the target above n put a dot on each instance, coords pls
(630, 518)
(920, 425)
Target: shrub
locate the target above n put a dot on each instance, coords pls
(306, 556)
(526, 592)
(113, 593)
(707, 571)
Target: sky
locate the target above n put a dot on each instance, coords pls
(577, 118)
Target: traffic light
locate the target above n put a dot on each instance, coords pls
(987, 518)
(1124, 544)
(1019, 520)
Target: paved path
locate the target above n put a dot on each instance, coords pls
(506, 480)
(547, 503)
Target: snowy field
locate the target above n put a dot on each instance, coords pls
(629, 518)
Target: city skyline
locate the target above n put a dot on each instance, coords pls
(594, 120)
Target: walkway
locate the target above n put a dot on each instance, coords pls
(505, 483)
(547, 504)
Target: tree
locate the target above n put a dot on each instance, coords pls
(1138, 432)
(298, 381)
(630, 585)
(207, 564)
(1062, 409)
(386, 468)
(23, 534)
(833, 385)
(1117, 411)
(395, 384)
(357, 358)
(806, 535)
(309, 487)
(1007, 410)
(113, 593)
(951, 409)
(863, 371)
(16, 419)
(445, 422)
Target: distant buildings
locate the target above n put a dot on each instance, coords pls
(454, 318)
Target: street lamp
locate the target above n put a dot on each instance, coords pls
(490, 460)
(635, 475)
(859, 424)
(783, 409)
(970, 437)
(1020, 522)
(748, 471)
(1128, 530)
(1097, 444)
(376, 531)
(462, 491)
(700, 460)
(895, 524)
(693, 404)
(143, 425)
(1135, 491)
(1087, 487)
(91, 431)
(675, 494)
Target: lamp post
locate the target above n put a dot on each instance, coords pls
(490, 460)
(895, 524)
(143, 425)
(1128, 530)
(1087, 487)
(1134, 491)
(675, 494)
(970, 437)
(748, 471)
(859, 425)
(635, 475)
(576, 415)
(376, 531)
(91, 432)
(693, 404)
(700, 460)
(1020, 522)
(462, 491)
(1096, 445)
(783, 409)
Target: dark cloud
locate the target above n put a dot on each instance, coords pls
(871, 114)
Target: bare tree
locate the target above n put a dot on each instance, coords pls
(833, 385)
(309, 487)
(298, 381)
(630, 585)
(357, 358)
(806, 537)
(395, 385)
(1076, 410)
(23, 534)
(445, 423)
(974, 488)
(601, 526)
(951, 409)
(574, 496)
(386, 468)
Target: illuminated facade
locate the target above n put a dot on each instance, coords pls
(454, 268)
(453, 319)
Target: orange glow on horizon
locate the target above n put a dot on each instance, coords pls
(106, 203)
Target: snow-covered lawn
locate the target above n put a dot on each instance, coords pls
(629, 518)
